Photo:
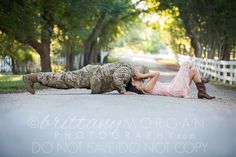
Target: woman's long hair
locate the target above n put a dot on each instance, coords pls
(129, 87)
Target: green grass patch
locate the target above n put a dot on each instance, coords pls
(112, 58)
(224, 85)
(12, 83)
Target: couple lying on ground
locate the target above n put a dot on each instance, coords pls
(124, 78)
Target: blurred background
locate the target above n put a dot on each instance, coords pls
(57, 35)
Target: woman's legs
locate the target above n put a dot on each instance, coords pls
(200, 84)
(195, 75)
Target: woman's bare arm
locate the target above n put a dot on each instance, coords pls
(139, 75)
(150, 84)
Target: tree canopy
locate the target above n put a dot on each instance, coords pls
(208, 23)
(70, 27)
(73, 23)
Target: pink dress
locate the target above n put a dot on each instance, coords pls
(178, 87)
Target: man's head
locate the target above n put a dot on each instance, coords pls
(142, 69)
(130, 87)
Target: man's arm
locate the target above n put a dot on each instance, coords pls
(121, 78)
(119, 84)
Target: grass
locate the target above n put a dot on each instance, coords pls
(224, 85)
(112, 58)
(12, 83)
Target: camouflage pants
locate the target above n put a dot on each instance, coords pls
(67, 80)
(100, 79)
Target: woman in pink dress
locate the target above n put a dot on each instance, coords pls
(178, 87)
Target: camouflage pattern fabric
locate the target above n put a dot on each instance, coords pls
(100, 79)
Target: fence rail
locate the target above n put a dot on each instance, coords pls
(30, 66)
(224, 71)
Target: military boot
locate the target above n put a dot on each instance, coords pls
(29, 81)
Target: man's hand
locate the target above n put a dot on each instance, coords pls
(122, 91)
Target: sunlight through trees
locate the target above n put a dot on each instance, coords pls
(51, 29)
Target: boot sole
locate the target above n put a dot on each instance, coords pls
(202, 97)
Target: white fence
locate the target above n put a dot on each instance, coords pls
(6, 63)
(30, 66)
(224, 71)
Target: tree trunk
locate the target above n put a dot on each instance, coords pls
(234, 54)
(45, 62)
(225, 51)
(69, 59)
(89, 43)
(194, 41)
(81, 61)
(13, 64)
(88, 52)
(99, 55)
(94, 55)
(44, 50)
(211, 52)
(44, 53)
(91, 58)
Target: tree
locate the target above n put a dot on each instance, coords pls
(185, 13)
(109, 16)
(31, 23)
(208, 23)
(74, 27)
(19, 53)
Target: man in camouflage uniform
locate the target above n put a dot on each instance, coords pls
(100, 79)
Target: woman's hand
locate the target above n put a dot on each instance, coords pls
(138, 75)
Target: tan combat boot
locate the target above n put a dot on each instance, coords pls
(29, 81)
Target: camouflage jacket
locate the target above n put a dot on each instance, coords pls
(105, 78)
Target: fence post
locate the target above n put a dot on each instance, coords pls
(224, 73)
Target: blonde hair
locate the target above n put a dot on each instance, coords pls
(142, 68)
